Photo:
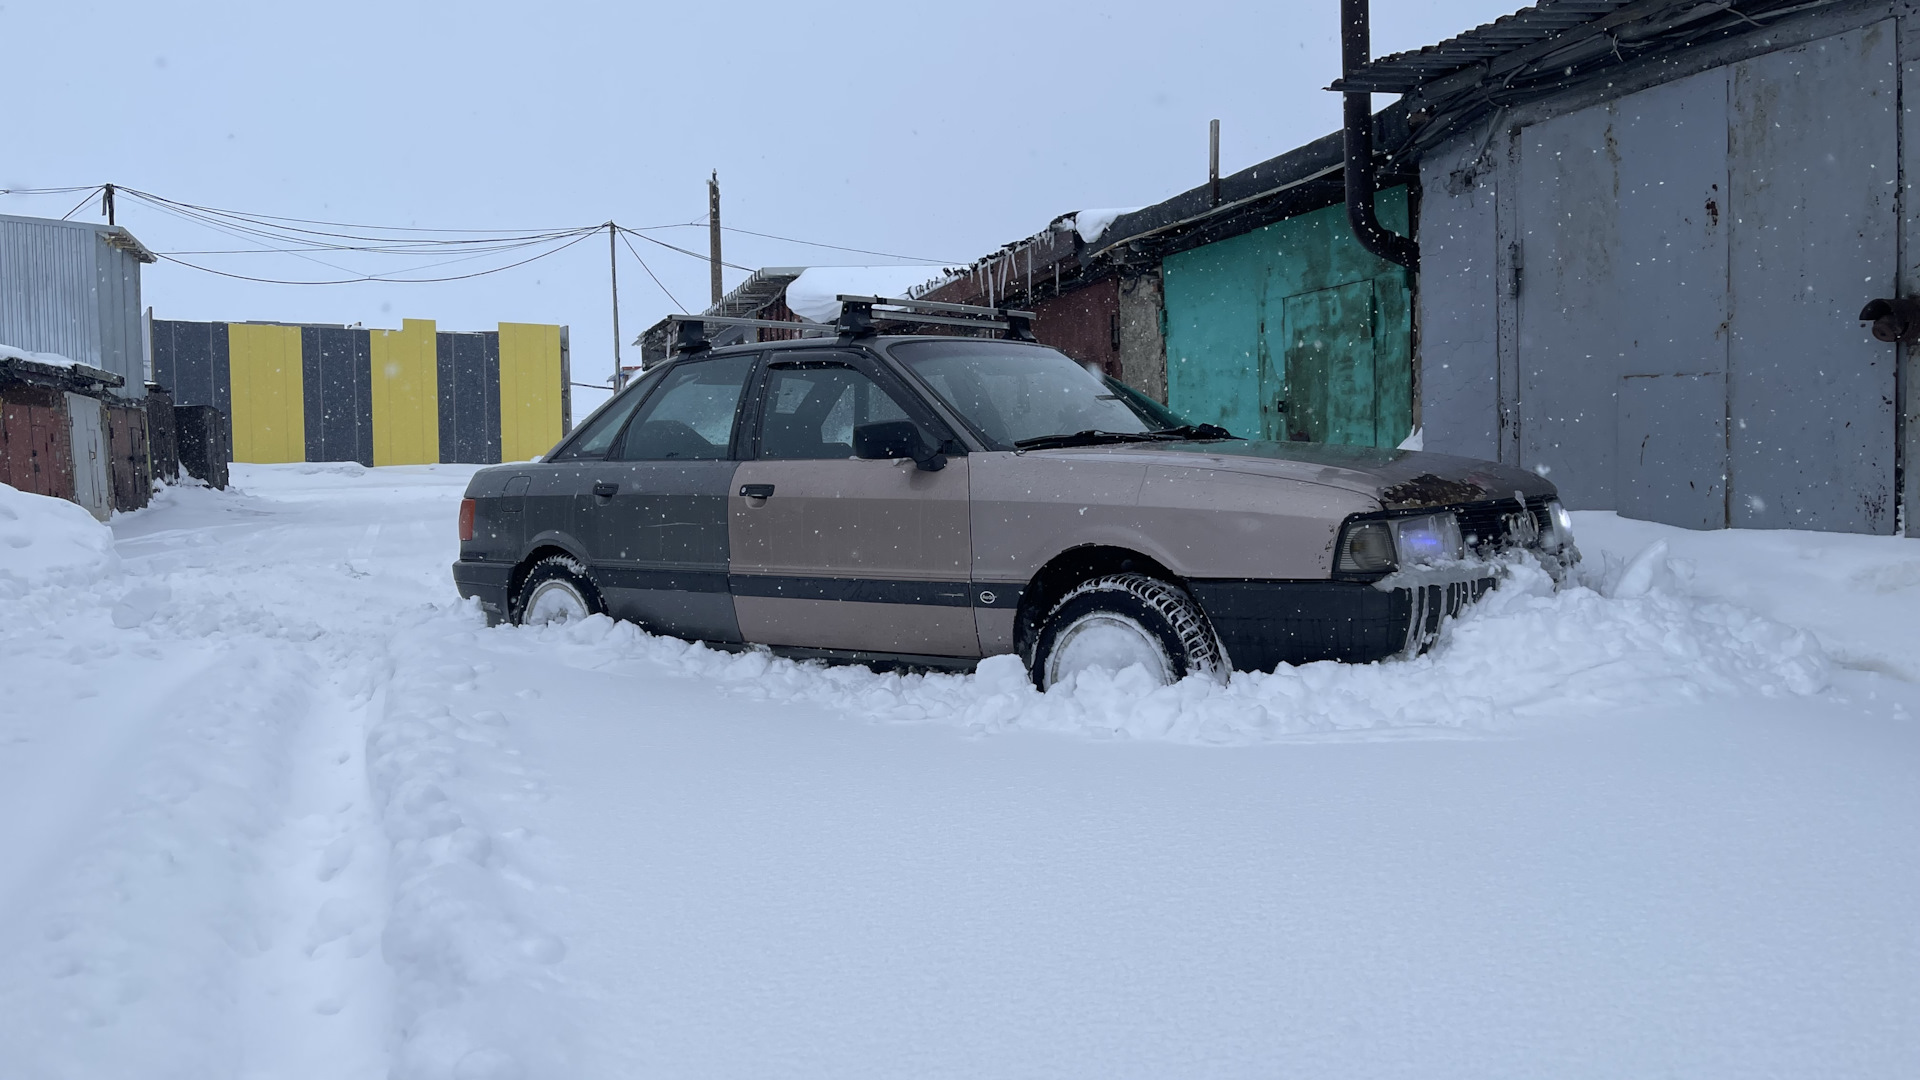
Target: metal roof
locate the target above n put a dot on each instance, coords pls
(761, 288)
(1527, 28)
(1561, 35)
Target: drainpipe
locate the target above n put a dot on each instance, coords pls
(1356, 49)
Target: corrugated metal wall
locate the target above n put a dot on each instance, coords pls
(468, 367)
(337, 371)
(191, 360)
(406, 411)
(66, 287)
(1293, 331)
(269, 393)
(380, 397)
(1653, 300)
(534, 412)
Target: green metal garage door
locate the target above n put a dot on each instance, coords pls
(1294, 332)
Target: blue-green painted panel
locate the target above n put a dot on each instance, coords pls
(1228, 338)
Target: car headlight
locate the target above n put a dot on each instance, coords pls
(1559, 531)
(1366, 547)
(1431, 538)
(1378, 547)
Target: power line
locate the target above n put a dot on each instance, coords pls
(472, 249)
(838, 247)
(242, 235)
(690, 254)
(49, 190)
(387, 280)
(257, 225)
(656, 279)
(84, 200)
(810, 243)
(265, 220)
(286, 235)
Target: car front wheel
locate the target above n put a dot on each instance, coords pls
(556, 590)
(1121, 620)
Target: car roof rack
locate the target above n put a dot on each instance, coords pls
(690, 331)
(858, 314)
(857, 317)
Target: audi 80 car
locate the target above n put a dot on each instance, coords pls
(929, 501)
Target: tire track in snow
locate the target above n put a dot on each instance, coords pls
(476, 996)
(139, 955)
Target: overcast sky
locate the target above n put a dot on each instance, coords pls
(877, 126)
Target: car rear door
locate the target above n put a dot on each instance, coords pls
(554, 507)
(830, 551)
(654, 513)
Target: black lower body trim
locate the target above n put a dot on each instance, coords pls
(1265, 624)
(858, 590)
(676, 580)
(879, 661)
(488, 581)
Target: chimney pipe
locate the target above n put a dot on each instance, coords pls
(1356, 49)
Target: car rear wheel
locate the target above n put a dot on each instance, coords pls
(1120, 620)
(556, 590)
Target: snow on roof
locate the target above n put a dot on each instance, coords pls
(9, 352)
(1092, 224)
(814, 294)
(24, 363)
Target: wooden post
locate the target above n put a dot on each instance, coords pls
(613, 275)
(713, 232)
(1213, 162)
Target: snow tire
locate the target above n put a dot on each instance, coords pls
(1164, 611)
(557, 571)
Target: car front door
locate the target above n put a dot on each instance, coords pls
(830, 551)
(653, 513)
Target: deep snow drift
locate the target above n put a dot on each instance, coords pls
(279, 806)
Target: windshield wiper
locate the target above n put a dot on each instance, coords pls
(1089, 437)
(1197, 432)
(1094, 436)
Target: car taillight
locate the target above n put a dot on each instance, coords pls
(466, 520)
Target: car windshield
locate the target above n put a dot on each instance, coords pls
(1015, 394)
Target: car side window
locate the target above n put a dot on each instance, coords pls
(604, 427)
(690, 418)
(812, 408)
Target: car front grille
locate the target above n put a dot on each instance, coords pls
(1490, 526)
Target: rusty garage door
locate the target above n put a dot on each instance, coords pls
(35, 446)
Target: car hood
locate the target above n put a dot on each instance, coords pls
(1399, 479)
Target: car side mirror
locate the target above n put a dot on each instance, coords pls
(890, 440)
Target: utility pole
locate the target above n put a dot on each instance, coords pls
(613, 275)
(1213, 163)
(106, 202)
(713, 231)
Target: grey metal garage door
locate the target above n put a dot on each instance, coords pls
(1691, 261)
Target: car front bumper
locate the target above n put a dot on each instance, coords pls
(489, 582)
(1264, 624)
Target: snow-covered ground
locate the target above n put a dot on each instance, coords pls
(273, 803)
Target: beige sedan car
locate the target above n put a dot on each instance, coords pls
(928, 501)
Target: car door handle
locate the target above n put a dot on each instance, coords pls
(756, 491)
(606, 489)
